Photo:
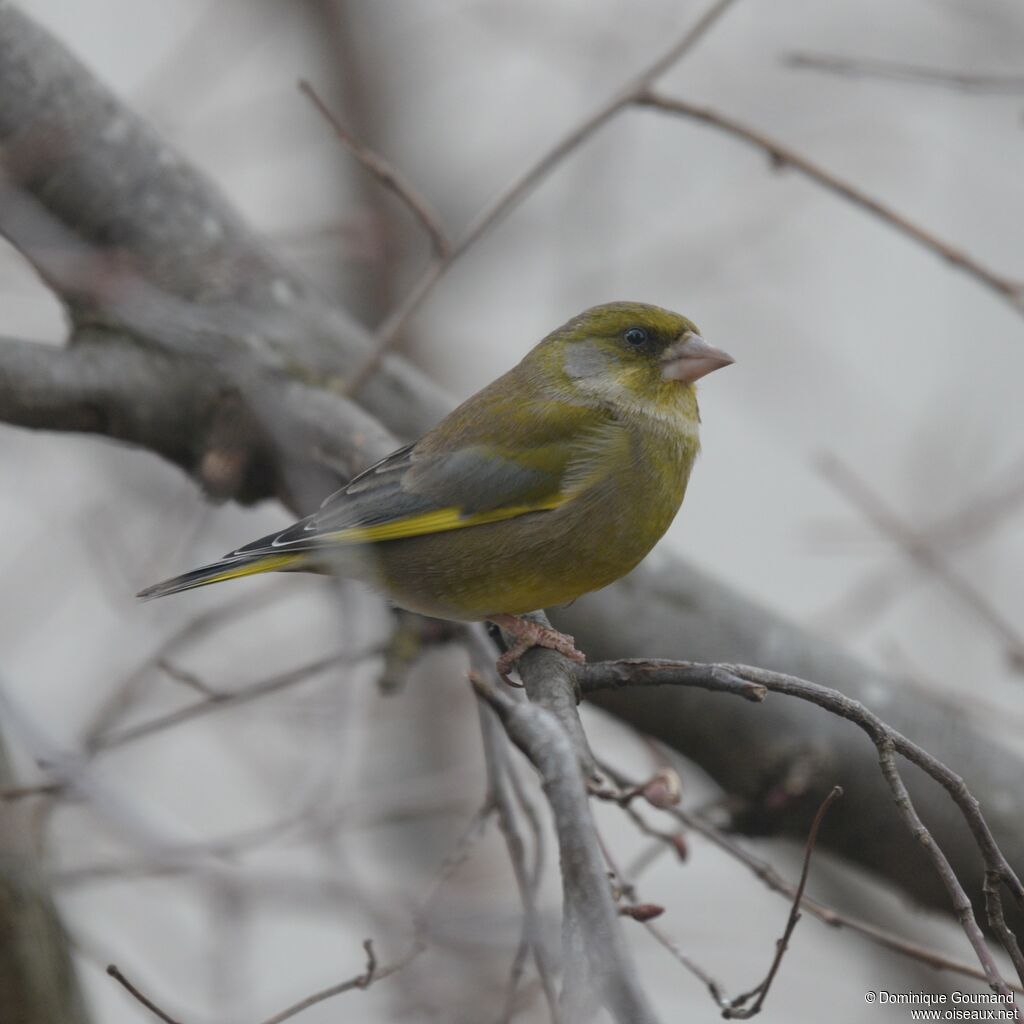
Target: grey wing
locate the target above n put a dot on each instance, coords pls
(408, 484)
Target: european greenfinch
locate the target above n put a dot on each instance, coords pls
(553, 481)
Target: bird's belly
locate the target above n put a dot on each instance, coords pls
(533, 561)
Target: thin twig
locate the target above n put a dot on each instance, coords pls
(189, 679)
(370, 976)
(766, 873)
(225, 699)
(613, 675)
(535, 878)
(737, 1008)
(973, 521)
(148, 1003)
(889, 742)
(498, 770)
(917, 548)
(522, 186)
(865, 67)
(714, 987)
(782, 156)
(385, 173)
(126, 691)
(459, 854)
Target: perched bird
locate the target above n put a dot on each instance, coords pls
(554, 480)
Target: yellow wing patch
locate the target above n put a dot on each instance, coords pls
(439, 521)
(268, 564)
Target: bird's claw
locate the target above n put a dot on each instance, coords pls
(527, 634)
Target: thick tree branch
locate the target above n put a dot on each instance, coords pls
(37, 978)
(586, 894)
(790, 754)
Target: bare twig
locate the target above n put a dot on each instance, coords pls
(783, 156)
(125, 692)
(588, 907)
(766, 873)
(916, 547)
(611, 675)
(864, 67)
(370, 976)
(388, 332)
(148, 1003)
(535, 879)
(385, 173)
(737, 1008)
(888, 743)
(714, 987)
(225, 699)
(499, 770)
(974, 520)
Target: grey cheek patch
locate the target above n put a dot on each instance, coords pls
(582, 361)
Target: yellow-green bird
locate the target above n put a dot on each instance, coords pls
(553, 481)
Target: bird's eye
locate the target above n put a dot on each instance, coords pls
(635, 336)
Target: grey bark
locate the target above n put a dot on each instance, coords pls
(37, 978)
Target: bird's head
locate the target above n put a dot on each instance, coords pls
(631, 348)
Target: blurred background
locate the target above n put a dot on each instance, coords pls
(233, 863)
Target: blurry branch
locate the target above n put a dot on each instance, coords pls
(975, 520)
(216, 700)
(590, 923)
(521, 187)
(373, 973)
(37, 980)
(536, 877)
(596, 966)
(783, 156)
(502, 796)
(386, 174)
(888, 742)
(224, 699)
(766, 873)
(118, 975)
(863, 67)
(919, 550)
(126, 691)
(737, 1008)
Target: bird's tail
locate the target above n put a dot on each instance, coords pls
(230, 568)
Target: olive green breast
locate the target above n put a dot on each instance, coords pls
(632, 491)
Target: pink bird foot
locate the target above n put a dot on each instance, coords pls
(525, 633)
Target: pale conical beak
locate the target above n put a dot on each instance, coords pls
(691, 358)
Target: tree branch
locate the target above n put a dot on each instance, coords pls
(523, 185)
(888, 743)
(587, 899)
(865, 67)
(783, 156)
